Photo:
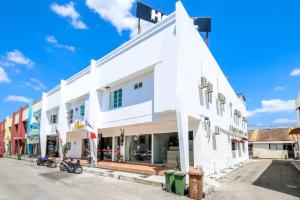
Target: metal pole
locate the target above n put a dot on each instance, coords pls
(139, 26)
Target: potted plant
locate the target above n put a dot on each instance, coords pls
(65, 150)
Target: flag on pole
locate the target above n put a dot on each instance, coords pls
(90, 129)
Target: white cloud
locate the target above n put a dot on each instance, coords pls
(52, 40)
(68, 11)
(279, 88)
(284, 121)
(273, 106)
(17, 57)
(116, 12)
(3, 76)
(14, 98)
(295, 72)
(34, 84)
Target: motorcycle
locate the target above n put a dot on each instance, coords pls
(71, 166)
(51, 163)
(42, 161)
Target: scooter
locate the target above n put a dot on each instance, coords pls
(42, 161)
(71, 166)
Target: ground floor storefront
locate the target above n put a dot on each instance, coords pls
(158, 145)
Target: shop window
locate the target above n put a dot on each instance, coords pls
(138, 85)
(115, 99)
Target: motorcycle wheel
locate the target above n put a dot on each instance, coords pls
(53, 165)
(62, 167)
(78, 170)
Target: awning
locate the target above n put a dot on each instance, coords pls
(295, 131)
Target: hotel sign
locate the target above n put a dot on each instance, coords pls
(145, 12)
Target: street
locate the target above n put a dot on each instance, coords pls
(24, 180)
(260, 180)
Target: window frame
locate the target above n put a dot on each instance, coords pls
(116, 99)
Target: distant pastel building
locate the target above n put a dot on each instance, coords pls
(274, 143)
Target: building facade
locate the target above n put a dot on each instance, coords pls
(7, 137)
(160, 98)
(275, 143)
(18, 132)
(2, 136)
(33, 128)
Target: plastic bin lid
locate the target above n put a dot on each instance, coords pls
(169, 171)
(178, 173)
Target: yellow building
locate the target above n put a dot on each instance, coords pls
(7, 136)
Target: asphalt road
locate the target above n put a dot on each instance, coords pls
(260, 180)
(21, 180)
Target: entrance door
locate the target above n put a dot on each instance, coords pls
(104, 148)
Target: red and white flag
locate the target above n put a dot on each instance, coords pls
(90, 129)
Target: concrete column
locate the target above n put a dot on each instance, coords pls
(94, 109)
(62, 125)
(44, 125)
(183, 130)
(113, 148)
(152, 148)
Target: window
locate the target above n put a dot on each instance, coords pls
(53, 119)
(115, 99)
(138, 85)
(82, 110)
(233, 145)
(272, 146)
(70, 116)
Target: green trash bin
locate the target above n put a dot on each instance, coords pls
(18, 157)
(170, 180)
(180, 183)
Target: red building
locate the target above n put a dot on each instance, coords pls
(18, 131)
(2, 135)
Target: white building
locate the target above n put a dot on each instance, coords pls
(160, 98)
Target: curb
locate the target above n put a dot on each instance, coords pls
(95, 171)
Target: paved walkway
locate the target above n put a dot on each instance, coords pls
(260, 180)
(21, 180)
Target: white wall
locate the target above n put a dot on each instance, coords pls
(195, 60)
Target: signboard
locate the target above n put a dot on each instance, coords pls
(203, 24)
(148, 14)
(145, 12)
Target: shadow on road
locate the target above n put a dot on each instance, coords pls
(57, 176)
(280, 176)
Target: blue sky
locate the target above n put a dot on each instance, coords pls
(255, 42)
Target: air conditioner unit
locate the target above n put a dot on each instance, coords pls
(221, 98)
(209, 88)
(204, 82)
(217, 130)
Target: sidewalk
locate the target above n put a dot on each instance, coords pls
(296, 164)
